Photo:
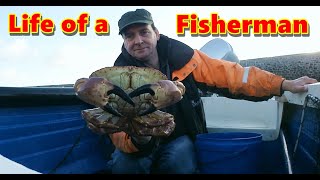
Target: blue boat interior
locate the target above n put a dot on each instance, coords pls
(42, 129)
(46, 133)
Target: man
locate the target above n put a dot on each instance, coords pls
(144, 46)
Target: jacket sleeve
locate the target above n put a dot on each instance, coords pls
(122, 141)
(249, 81)
(125, 143)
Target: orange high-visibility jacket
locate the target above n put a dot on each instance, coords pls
(250, 81)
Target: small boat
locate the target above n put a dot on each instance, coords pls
(42, 131)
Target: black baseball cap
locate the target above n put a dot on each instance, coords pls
(132, 17)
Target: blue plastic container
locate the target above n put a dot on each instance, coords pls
(229, 153)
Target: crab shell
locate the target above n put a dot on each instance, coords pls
(130, 78)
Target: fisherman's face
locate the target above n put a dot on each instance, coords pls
(140, 40)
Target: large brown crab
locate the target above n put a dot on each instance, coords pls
(128, 99)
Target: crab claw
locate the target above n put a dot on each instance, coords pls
(96, 91)
(163, 93)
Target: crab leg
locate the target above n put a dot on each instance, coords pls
(121, 93)
(111, 110)
(148, 111)
(163, 93)
(96, 91)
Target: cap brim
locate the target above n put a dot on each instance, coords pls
(135, 22)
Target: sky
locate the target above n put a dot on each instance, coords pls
(34, 60)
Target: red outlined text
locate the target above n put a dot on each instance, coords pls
(217, 26)
(71, 27)
(34, 23)
(30, 24)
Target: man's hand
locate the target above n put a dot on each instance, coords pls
(298, 85)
